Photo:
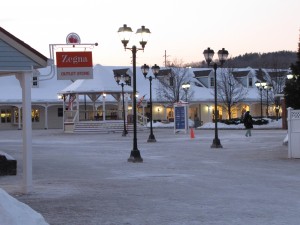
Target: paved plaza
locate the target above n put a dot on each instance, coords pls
(85, 179)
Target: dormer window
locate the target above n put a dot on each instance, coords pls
(212, 82)
(250, 82)
(171, 81)
(35, 81)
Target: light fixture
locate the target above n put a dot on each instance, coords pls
(155, 71)
(209, 54)
(125, 33)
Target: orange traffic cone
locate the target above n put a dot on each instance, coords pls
(192, 133)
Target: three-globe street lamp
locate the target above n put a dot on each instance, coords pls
(123, 80)
(155, 71)
(222, 54)
(186, 87)
(267, 87)
(125, 33)
(260, 86)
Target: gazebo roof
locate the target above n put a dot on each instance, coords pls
(103, 82)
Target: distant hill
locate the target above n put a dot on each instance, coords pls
(272, 60)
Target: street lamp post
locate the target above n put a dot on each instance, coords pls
(186, 87)
(222, 54)
(124, 33)
(155, 71)
(123, 80)
(260, 85)
(267, 87)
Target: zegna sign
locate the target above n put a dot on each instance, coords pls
(74, 65)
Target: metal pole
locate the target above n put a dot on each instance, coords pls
(261, 108)
(186, 97)
(267, 104)
(124, 128)
(135, 155)
(216, 142)
(151, 136)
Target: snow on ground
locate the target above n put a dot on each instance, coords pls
(14, 212)
(271, 125)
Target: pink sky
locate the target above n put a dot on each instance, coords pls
(182, 28)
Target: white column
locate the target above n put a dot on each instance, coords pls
(46, 117)
(77, 107)
(25, 81)
(103, 106)
(20, 118)
(165, 113)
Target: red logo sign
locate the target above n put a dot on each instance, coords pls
(74, 65)
(74, 59)
(73, 38)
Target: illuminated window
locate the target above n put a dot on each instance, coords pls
(5, 116)
(35, 115)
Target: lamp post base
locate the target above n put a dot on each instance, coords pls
(124, 133)
(135, 156)
(151, 138)
(216, 143)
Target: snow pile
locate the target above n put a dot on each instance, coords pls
(14, 212)
(273, 124)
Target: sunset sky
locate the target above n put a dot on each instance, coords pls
(182, 28)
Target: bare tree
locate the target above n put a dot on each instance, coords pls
(230, 90)
(170, 81)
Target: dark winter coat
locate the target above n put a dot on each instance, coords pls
(248, 123)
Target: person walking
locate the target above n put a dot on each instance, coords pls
(248, 123)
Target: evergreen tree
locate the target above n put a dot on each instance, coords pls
(292, 88)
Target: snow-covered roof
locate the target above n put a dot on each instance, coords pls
(104, 82)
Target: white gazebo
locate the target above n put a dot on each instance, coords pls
(20, 60)
(103, 84)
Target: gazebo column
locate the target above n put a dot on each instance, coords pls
(103, 106)
(165, 113)
(25, 82)
(46, 117)
(77, 107)
(20, 118)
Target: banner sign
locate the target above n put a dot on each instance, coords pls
(74, 65)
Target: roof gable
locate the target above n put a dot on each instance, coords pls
(16, 55)
(202, 73)
(238, 74)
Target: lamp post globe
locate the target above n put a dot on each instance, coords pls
(260, 86)
(124, 34)
(186, 86)
(155, 70)
(208, 55)
(123, 80)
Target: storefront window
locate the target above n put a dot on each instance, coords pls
(5, 116)
(35, 115)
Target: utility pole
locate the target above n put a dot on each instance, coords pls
(165, 56)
